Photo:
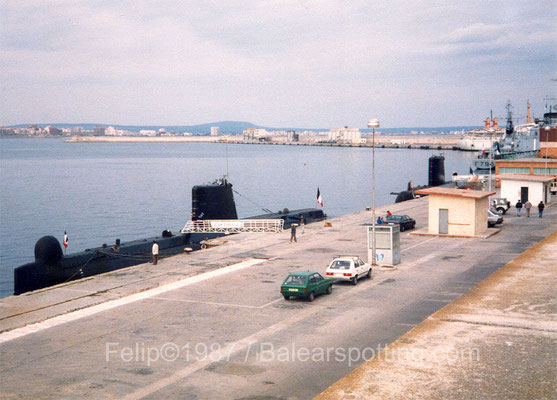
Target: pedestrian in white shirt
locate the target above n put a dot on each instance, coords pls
(155, 252)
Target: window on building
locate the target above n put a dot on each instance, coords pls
(514, 170)
(542, 171)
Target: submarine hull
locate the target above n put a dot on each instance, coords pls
(214, 201)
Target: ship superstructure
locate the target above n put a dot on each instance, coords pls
(481, 139)
(518, 141)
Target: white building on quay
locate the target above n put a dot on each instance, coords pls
(254, 134)
(346, 135)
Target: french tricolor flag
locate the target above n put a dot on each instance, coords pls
(319, 198)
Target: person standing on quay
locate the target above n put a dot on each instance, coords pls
(65, 242)
(541, 206)
(303, 224)
(528, 206)
(518, 207)
(155, 252)
(293, 232)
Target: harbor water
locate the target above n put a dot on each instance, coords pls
(99, 192)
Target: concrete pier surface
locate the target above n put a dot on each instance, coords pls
(212, 324)
(442, 142)
(498, 341)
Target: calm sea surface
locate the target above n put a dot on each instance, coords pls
(98, 192)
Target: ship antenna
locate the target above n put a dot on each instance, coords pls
(528, 120)
(226, 147)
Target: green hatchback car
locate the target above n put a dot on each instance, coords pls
(305, 284)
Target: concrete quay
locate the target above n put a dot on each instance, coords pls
(212, 324)
(440, 142)
(497, 341)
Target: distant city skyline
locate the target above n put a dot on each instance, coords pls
(275, 63)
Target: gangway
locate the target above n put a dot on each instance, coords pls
(234, 226)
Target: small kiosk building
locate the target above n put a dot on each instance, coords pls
(534, 188)
(457, 212)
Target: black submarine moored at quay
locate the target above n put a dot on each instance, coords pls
(436, 178)
(211, 201)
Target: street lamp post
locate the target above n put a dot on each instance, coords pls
(546, 129)
(373, 123)
(490, 130)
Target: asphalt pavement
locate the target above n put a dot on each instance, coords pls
(213, 325)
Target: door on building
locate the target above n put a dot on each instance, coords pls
(523, 194)
(443, 221)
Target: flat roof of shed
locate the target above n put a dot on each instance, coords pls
(525, 177)
(533, 160)
(452, 192)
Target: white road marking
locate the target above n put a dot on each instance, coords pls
(419, 244)
(86, 312)
(271, 302)
(213, 303)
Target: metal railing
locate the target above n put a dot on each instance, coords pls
(234, 226)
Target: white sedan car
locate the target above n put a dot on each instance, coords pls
(348, 268)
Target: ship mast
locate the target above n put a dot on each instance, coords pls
(528, 120)
(510, 127)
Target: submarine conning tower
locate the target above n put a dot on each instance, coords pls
(213, 201)
(46, 270)
(436, 178)
(436, 171)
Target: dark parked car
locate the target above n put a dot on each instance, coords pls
(305, 284)
(404, 221)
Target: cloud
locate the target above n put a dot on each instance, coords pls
(305, 63)
(516, 41)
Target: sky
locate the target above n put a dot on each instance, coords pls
(287, 63)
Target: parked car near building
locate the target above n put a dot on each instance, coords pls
(493, 218)
(404, 221)
(501, 204)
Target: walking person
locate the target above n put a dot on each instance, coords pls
(528, 206)
(303, 224)
(155, 252)
(65, 242)
(541, 206)
(293, 232)
(518, 207)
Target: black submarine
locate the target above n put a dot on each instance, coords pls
(209, 201)
(436, 177)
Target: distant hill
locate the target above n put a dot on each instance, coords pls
(236, 127)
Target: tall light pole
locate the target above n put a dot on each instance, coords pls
(546, 129)
(373, 123)
(490, 130)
